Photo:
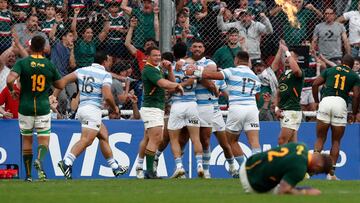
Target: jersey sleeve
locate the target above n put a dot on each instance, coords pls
(348, 15)
(17, 68)
(107, 79)
(294, 175)
(227, 73)
(152, 75)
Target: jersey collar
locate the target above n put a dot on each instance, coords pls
(37, 56)
(96, 65)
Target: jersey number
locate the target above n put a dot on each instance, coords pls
(86, 85)
(337, 80)
(283, 152)
(38, 83)
(299, 149)
(248, 80)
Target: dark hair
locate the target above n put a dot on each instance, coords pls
(50, 5)
(328, 163)
(197, 40)
(243, 56)
(121, 66)
(357, 59)
(180, 50)
(37, 43)
(181, 13)
(233, 30)
(60, 33)
(151, 39)
(100, 57)
(85, 27)
(150, 49)
(348, 60)
(32, 16)
(168, 56)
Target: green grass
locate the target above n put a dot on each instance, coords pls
(159, 191)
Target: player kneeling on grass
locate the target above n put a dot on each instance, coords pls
(94, 85)
(281, 168)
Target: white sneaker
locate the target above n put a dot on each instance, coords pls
(182, 177)
(178, 172)
(139, 173)
(207, 174)
(330, 177)
(200, 171)
(307, 176)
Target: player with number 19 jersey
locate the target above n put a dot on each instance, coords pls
(37, 74)
(243, 84)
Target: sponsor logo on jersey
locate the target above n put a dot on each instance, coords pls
(283, 87)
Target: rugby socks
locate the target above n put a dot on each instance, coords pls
(140, 163)
(150, 155)
(112, 163)
(240, 159)
(157, 154)
(178, 162)
(255, 150)
(199, 159)
(231, 162)
(69, 159)
(206, 159)
(27, 157)
(42, 150)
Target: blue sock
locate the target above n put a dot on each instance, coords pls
(206, 159)
(230, 160)
(178, 162)
(199, 159)
(255, 150)
(240, 159)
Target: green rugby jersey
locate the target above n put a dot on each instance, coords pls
(339, 81)
(37, 74)
(154, 96)
(290, 88)
(287, 162)
(47, 25)
(6, 20)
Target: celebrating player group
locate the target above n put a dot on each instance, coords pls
(180, 102)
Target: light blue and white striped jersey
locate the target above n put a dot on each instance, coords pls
(189, 91)
(221, 85)
(243, 84)
(203, 95)
(91, 79)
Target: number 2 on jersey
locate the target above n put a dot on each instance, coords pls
(337, 79)
(283, 152)
(38, 83)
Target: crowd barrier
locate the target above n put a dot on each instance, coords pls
(124, 138)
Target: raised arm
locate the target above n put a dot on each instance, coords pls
(105, 31)
(124, 6)
(58, 20)
(268, 29)
(221, 24)
(74, 23)
(156, 23)
(315, 10)
(60, 84)
(132, 49)
(292, 62)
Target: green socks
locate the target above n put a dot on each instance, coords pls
(27, 156)
(149, 160)
(42, 150)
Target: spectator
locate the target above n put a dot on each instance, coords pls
(6, 21)
(21, 9)
(28, 30)
(63, 57)
(249, 29)
(328, 37)
(140, 56)
(265, 113)
(225, 55)
(184, 31)
(354, 29)
(117, 88)
(85, 47)
(11, 105)
(197, 10)
(118, 28)
(147, 26)
(49, 21)
(4, 72)
(134, 100)
(58, 25)
(81, 7)
(258, 7)
(293, 36)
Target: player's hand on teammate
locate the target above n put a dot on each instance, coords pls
(166, 64)
(179, 89)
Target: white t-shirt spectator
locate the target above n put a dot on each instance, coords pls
(354, 26)
(3, 75)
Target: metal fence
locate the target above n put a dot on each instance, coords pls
(110, 23)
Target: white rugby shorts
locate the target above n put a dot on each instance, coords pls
(152, 117)
(90, 117)
(218, 121)
(306, 97)
(242, 117)
(183, 114)
(291, 120)
(332, 110)
(42, 124)
(206, 114)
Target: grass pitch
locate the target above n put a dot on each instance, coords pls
(159, 191)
